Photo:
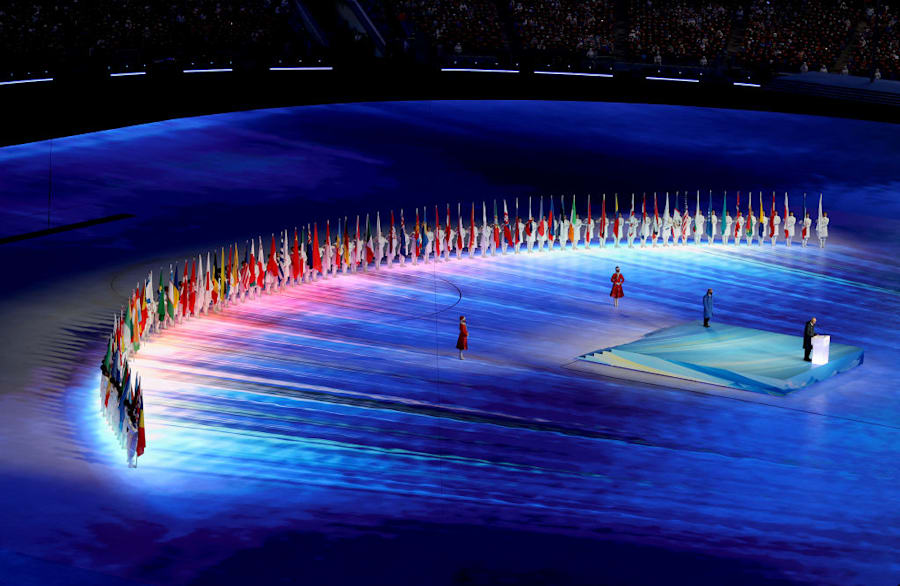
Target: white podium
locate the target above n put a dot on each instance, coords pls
(820, 345)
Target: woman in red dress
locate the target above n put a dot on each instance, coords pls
(617, 280)
(462, 342)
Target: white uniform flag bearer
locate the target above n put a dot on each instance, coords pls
(822, 225)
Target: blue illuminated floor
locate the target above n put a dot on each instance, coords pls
(331, 435)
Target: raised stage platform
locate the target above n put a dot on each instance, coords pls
(724, 355)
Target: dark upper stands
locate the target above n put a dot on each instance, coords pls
(764, 34)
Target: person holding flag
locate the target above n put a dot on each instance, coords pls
(603, 231)
(686, 223)
(677, 221)
(807, 224)
(763, 221)
(632, 225)
(789, 228)
(472, 241)
(448, 236)
(392, 244)
(404, 240)
(789, 222)
(726, 219)
(774, 223)
(699, 222)
(589, 226)
(460, 232)
(645, 222)
(618, 227)
(542, 230)
(486, 236)
(656, 227)
(822, 225)
(738, 227)
(417, 240)
(574, 226)
(750, 225)
(666, 224)
(551, 227)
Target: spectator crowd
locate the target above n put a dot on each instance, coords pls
(678, 31)
(855, 36)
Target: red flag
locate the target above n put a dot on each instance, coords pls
(437, 233)
(193, 293)
(603, 219)
(772, 218)
(447, 231)
(317, 256)
(391, 235)
(296, 267)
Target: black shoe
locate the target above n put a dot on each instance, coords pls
(808, 359)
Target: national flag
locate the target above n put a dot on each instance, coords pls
(472, 243)
(572, 223)
(506, 232)
(616, 220)
(437, 233)
(748, 225)
(590, 231)
(404, 245)
(417, 238)
(447, 240)
(803, 232)
(772, 218)
(724, 212)
(655, 217)
(786, 214)
(541, 228)
(370, 243)
(603, 219)
(296, 268)
(142, 437)
(737, 233)
(316, 255)
(459, 227)
(550, 230)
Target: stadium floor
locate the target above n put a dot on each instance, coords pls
(295, 434)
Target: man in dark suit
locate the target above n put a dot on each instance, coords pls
(808, 332)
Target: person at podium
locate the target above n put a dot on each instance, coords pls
(809, 333)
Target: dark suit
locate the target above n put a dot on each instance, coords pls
(808, 332)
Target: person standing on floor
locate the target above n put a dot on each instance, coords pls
(617, 279)
(807, 225)
(707, 308)
(462, 341)
(822, 229)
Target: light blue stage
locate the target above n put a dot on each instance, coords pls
(726, 355)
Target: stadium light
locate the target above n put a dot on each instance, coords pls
(220, 70)
(457, 69)
(681, 79)
(574, 73)
(127, 73)
(301, 68)
(743, 84)
(15, 81)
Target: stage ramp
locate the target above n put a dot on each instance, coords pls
(722, 355)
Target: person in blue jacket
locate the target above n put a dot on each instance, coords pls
(707, 308)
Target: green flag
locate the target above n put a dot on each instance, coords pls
(724, 211)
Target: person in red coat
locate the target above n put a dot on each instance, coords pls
(462, 342)
(617, 280)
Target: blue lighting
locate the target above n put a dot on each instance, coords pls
(743, 84)
(301, 68)
(128, 73)
(573, 73)
(18, 81)
(682, 79)
(219, 70)
(468, 70)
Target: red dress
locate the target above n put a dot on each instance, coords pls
(462, 342)
(617, 280)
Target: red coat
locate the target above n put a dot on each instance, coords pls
(617, 279)
(462, 342)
